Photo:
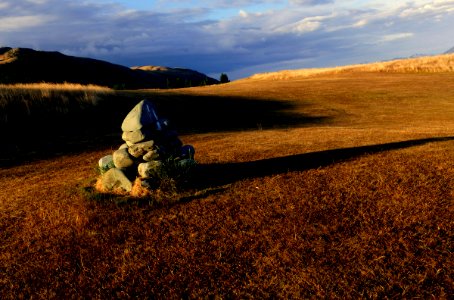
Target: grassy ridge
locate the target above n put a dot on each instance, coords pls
(355, 201)
(426, 64)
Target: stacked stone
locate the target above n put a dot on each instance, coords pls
(148, 144)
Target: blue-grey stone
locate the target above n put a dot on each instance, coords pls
(142, 115)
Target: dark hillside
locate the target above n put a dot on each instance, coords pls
(178, 77)
(21, 65)
(3, 50)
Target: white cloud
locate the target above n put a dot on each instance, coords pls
(18, 23)
(37, 1)
(430, 8)
(310, 2)
(305, 25)
(396, 36)
(360, 23)
(243, 14)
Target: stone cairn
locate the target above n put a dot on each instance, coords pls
(150, 146)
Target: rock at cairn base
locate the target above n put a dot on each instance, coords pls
(106, 163)
(150, 169)
(116, 179)
(149, 147)
(122, 159)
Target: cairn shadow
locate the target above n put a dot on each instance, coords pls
(202, 114)
(212, 175)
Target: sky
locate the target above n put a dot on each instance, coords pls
(236, 37)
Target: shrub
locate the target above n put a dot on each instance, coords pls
(224, 78)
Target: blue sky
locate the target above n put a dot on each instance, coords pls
(237, 37)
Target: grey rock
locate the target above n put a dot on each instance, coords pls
(140, 149)
(186, 164)
(106, 163)
(137, 136)
(146, 184)
(150, 169)
(142, 115)
(151, 155)
(115, 178)
(122, 159)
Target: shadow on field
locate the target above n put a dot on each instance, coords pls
(200, 114)
(45, 131)
(221, 174)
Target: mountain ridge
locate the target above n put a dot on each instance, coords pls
(450, 51)
(25, 65)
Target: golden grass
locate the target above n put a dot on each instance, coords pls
(44, 86)
(426, 64)
(356, 206)
(19, 101)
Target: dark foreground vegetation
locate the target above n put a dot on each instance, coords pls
(336, 186)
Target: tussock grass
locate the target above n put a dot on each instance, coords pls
(426, 64)
(43, 86)
(48, 116)
(21, 101)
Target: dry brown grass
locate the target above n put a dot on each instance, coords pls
(359, 205)
(45, 87)
(426, 64)
(25, 100)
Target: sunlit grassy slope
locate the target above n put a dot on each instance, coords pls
(425, 64)
(329, 186)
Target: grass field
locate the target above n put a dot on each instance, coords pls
(25, 100)
(327, 186)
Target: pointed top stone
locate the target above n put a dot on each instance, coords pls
(142, 115)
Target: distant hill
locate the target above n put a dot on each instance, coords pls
(23, 65)
(178, 76)
(450, 50)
